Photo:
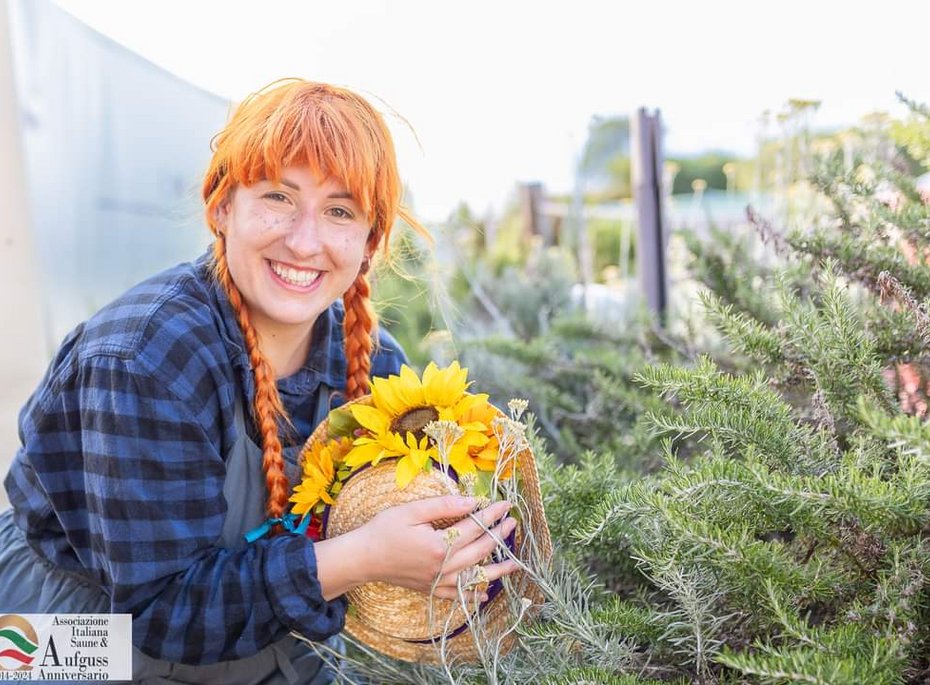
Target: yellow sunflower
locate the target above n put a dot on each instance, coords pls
(401, 406)
(320, 462)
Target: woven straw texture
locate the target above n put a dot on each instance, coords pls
(401, 623)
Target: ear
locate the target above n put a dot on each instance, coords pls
(221, 216)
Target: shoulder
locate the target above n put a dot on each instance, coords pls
(387, 356)
(173, 307)
(167, 327)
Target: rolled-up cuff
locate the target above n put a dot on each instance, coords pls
(295, 593)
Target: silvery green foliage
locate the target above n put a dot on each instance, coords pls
(757, 513)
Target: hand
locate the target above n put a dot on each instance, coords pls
(404, 549)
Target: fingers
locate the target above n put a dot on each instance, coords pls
(484, 546)
(470, 530)
(449, 588)
(433, 508)
(476, 552)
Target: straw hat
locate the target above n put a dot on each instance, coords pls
(409, 625)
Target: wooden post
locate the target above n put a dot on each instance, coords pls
(646, 135)
(23, 354)
(531, 202)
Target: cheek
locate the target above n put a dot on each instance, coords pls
(353, 246)
(265, 221)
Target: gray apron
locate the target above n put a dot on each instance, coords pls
(56, 591)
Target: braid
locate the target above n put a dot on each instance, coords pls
(358, 327)
(267, 406)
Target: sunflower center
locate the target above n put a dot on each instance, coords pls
(414, 421)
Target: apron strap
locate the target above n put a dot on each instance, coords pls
(283, 660)
(322, 405)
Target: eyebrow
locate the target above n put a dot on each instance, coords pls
(335, 196)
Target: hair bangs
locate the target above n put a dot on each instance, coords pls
(330, 130)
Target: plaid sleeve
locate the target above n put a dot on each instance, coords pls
(153, 477)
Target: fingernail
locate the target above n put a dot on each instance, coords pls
(466, 501)
(484, 598)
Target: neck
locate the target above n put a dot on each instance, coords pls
(285, 347)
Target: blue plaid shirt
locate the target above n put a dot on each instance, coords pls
(120, 475)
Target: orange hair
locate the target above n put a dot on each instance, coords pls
(336, 134)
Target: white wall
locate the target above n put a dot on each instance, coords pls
(22, 353)
(101, 154)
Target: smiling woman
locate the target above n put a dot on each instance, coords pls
(169, 424)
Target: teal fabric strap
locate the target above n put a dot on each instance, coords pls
(290, 522)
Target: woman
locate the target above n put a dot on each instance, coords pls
(169, 424)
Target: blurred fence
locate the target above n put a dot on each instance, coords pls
(616, 297)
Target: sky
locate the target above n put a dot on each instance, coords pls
(485, 94)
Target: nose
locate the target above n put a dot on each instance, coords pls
(305, 237)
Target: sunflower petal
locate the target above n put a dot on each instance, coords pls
(444, 387)
(362, 454)
(371, 418)
(410, 388)
(429, 373)
(474, 437)
(470, 403)
(385, 397)
(489, 452)
(485, 465)
(461, 462)
(406, 472)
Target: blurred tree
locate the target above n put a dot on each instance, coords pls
(604, 169)
(708, 166)
(913, 133)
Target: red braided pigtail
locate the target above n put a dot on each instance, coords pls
(267, 408)
(358, 327)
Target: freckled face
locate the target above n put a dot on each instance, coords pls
(293, 248)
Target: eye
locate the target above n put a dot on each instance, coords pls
(275, 196)
(341, 213)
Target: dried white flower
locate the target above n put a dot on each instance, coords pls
(443, 432)
(517, 406)
(444, 435)
(511, 434)
(467, 483)
(474, 577)
(450, 535)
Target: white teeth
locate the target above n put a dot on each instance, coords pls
(293, 276)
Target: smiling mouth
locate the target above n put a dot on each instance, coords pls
(292, 276)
